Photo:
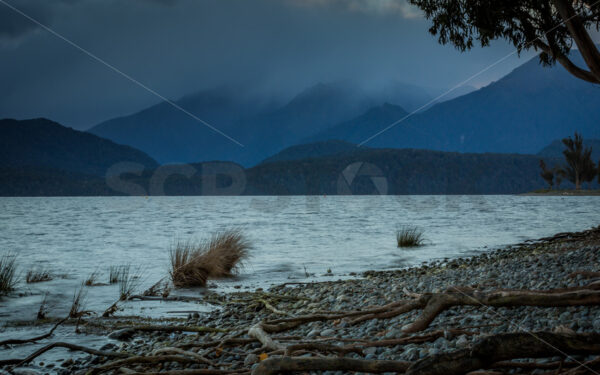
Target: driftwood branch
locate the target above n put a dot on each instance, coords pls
(37, 353)
(33, 339)
(434, 303)
(259, 334)
(503, 347)
(141, 359)
(193, 372)
(196, 356)
(276, 365)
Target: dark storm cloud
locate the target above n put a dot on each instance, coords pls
(176, 47)
(12, 27)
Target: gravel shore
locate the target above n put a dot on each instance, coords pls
(536, 265)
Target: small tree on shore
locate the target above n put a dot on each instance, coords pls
(589, 171)
(559, 175)
(547, 174)
(578, 159)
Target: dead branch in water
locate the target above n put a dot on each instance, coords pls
(33, 339)
(37, 353)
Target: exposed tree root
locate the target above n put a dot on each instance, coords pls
(130, 330)
(194, 372)
(284, 324)
(141, 360)
(434, 303)
(585, 274)
(278, 365)
(268, 343)
(37, 353)
(270, 307)
(322, 347)
(196, 356)
(506, 346)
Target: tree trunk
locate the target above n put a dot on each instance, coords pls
(582, 38)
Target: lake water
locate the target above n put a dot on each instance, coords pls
(73, 237)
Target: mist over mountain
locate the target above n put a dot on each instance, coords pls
(261, 125)
(363, 126)
(520, 113)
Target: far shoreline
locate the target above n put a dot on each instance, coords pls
(562, 193)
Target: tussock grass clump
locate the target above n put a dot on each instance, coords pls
(92, 279)
(410, 237)
(221, 256)
(8, 273)
(113, 274)
(38, 276)
(43, 310)
(128, 281)
(79, 300)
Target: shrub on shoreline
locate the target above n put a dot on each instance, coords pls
(410, 237)
(8, 273)
(221, 256)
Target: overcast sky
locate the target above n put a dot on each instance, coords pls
(177, 47)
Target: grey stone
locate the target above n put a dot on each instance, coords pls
(313, 333)
(462, 341)
(370, 350)
(121, 334)
(328, 332)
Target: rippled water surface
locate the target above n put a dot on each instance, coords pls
(73, 237)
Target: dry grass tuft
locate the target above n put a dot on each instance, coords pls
(221, 256)
(43, 310)
(38, 276)
(92, 279)
(128, 281)
(8, 273)
(79, 301)
(113, 274)
(410, 237)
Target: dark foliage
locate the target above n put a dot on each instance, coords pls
(580, 167)
(549, 26)
(547, 174)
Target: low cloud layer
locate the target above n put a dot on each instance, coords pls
(177, 47)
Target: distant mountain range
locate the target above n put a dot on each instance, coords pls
(312, 150)
(40, 157)
(520, 113)
(42, 143)
(170, 135)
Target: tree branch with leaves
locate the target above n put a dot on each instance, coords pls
(548, 26)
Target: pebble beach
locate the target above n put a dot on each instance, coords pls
(563, 261)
